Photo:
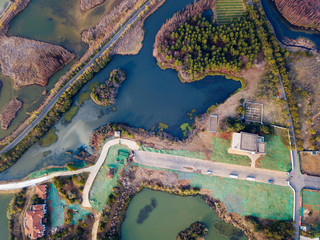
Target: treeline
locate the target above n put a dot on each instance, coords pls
(272, 229)
(71, 187)
(198, 47)
(61, 106)
(275, 56)
(195, 46)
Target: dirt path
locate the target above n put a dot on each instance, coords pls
(95, 226)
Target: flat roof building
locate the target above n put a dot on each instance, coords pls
(248, 142)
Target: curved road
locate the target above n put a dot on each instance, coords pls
(94, 171)
(73, 80)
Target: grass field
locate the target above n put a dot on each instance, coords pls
(103, 186)
(278, 154)
(220, 153)
(243, 197)
(310, 164)
(311, 211)
(249, 198)
(180, 152)
(228, 9)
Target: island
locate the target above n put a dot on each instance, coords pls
(106, 93)
(89, 4)
(30, 62)
(196, 231)
(10, 112)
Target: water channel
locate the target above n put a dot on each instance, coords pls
(58, 22)
(283, 29)
(148, 96)
(4, 201)
(163, 215)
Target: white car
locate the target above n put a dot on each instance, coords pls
(209, 172)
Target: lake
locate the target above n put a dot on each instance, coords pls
(149, 95)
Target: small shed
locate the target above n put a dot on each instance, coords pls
(117, 134)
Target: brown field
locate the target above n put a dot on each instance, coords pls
(310, 164)
(305, 74)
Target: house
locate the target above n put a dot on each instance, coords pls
(34, 227)
(41, 191)
(248, 142)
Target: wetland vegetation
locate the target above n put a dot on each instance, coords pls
(106, 93)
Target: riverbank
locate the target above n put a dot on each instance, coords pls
(136, 178)
(300, 13)
(71, 75)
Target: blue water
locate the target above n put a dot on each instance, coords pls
(283, 28)
(149, 95)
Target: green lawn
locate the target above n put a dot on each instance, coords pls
(249, 198)
(103, 186)
(310, 197)
(180, 152)
(220, 153)
(228, 9)
(278, 154)
(49, 138)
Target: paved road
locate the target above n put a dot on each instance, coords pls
(297, 180)
(73, 80)
(27, 183)
(186, 164)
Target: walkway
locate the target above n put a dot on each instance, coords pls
(94, 171)
(27, 183)
(74, 79)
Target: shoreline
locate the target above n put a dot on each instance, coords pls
(116, 218)
(64, 80)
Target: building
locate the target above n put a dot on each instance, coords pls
(34, 227)
(41, 191)
(213, 123)
(248, 142)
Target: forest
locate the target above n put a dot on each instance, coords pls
(200, 46)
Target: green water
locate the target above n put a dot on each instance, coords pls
(4, 200)
(56, 21)
(171, 215)
(3, 5)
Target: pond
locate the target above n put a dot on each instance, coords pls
(163, 215)
(149, 95)
(4, 201)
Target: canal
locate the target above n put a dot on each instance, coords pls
(4, 201)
